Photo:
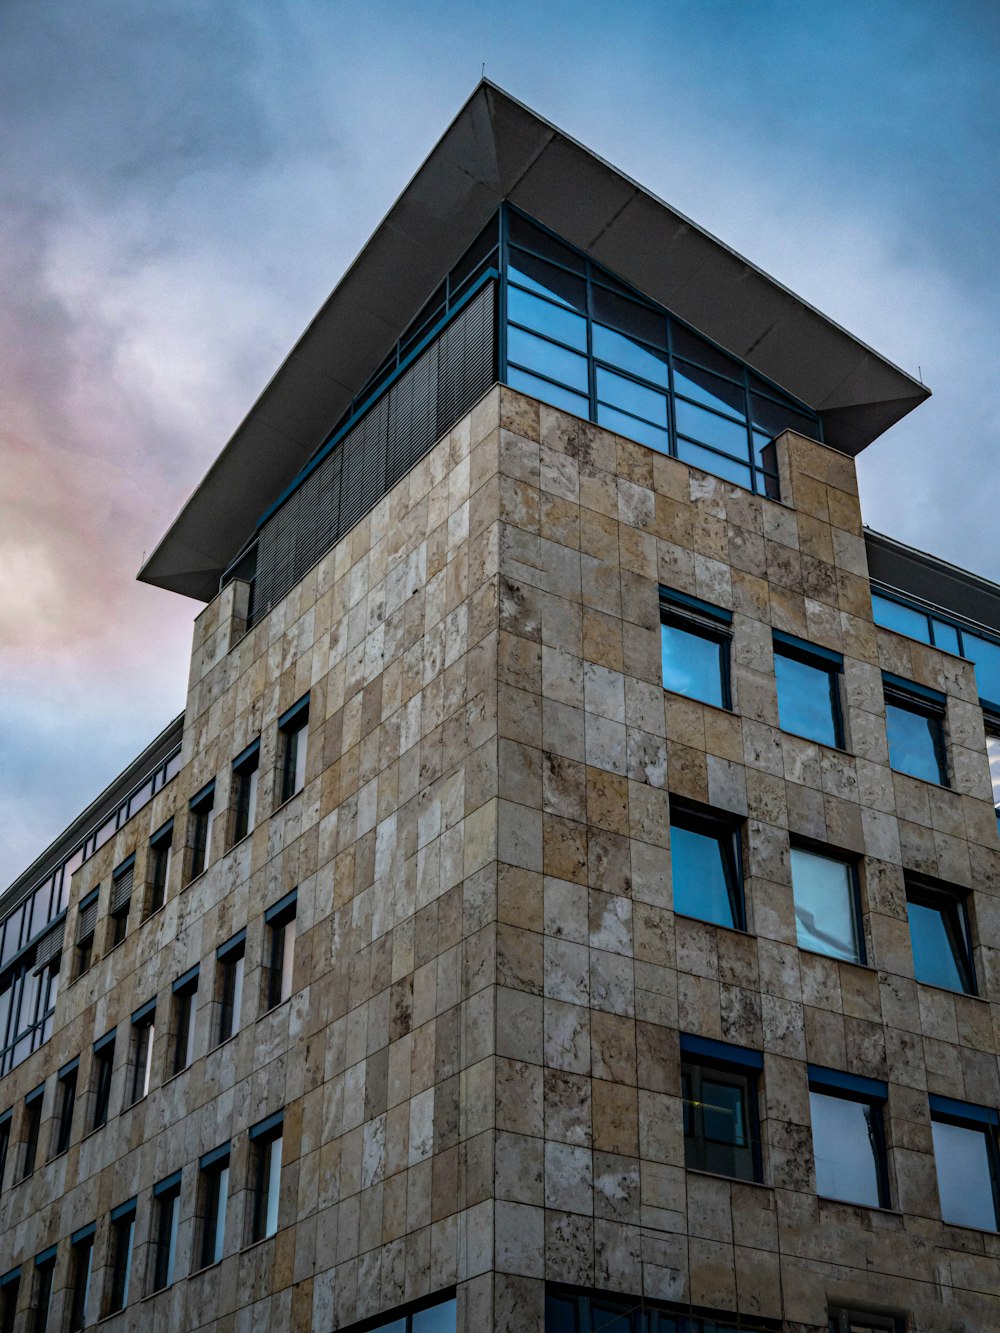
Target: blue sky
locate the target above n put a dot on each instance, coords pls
(184, 183)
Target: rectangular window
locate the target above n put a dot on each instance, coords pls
(265, 1175)
(5, 1123)
(827, 905)
(81, 1265)
(141, 1054)
(721, 1117)
(965, 1154)
(863, 1321)
(32, 1129)
(41, 1295)
(104, 1064)
(706, 864)
(86, 925)
(214, 1197)
(849, 1137)
(10, 1288)
(160, 845)
(65, 1105)
(200, 829)
(694, 648)
(293, 732)
(279, 927)
(914, 721)
(940, 936)
(121, 902)
(246, 771)
(185, 1007)
(229, 958)
(166, 1218)
(808, 680)
(993, 754)
(122, 1243)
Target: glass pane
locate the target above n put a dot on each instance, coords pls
(824, 905)
(993, 751)
(987, 659)
(633, 429)
(965, 1178)
(720, 432)
(523, 232)
(692, 665)
(709, 389)
(845, 1148)
(806, 699)
(629, 355)
(946, 637)
(437, 1319)
(548, 393)
(555, 362)
(701, 874)
(538, 276)
(937, 959)
(915, 743)
(629, 317)
(273, 1186)
(554, 320)
(774, 417)
(686, 343)
(902, 619)
(641, 402)
(560, 1315)
(716, 464)
(607, 1319)
(722, 1112)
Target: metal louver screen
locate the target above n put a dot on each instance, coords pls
(444, 382)
(121, 888)
(87, 921)
(49, 946)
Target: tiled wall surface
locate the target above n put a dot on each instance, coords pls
(479, 1063)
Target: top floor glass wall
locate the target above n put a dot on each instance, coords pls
(931, 625)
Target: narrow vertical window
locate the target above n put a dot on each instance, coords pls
(695, 639)
(160, 845)
(293, 731)
(32, 1129)
(5, 1124)
(10, 1288)
(122, 1243)
(849, 1137)
(827, 905)
(202, 816)
(214, 1198)
(914, 720)
(121, 903)
(706, 865)
(279, 926)
(966, 1157)
(141, 1054)
(65, 1105)
(80, 1272)
(265, 1175)
(86, 925)
(246, 771)
(185, 1007)
(229, 958)
(104, 1064)
(808, 682)
(166, 1218)
(41, 1294)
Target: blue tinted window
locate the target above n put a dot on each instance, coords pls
(554, 362)
(695, 662)
(902, 619)
(633, 429)
(547, 318)
(808, 698)
(847, 1148)
(916, 741)
(630, 355)
(554, 282)
(987, 659)
(705, 873)
(825, 905)
(966, 1173)
(717, 464)
(709, 389)
(548, 393)
(940, 941)
(641, 402)
(946, 637)
(440, 1318)
(773, 418)
(707, 428)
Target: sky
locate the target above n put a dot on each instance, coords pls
(182, 184)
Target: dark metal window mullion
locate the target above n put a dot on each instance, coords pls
(591, 363)
(671, 391)
(503, 260)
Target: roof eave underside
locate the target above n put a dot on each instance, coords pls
(498, 149)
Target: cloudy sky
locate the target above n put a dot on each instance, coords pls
(182, 183)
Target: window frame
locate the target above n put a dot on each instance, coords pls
(981, 1119)
(231, 968)
(201, 821)
(80, 1293)
(166, 1225)
(736, 1065)
(31, 1130)
(213, 1198)
(10, 1290)
(245, 791)
(120, 903)
(67, 1083)
(909, 697)
(953, 904)
(158, 862)
(184, 1003)
(6, 1126)
(293, 727)
(265, 1175)
(102, 1077)
(122, 1220)
(853, 863)
(831, 664)
(727, 830)
(142, 1039)
(703, 620)
(861, 1091)
(844, 1320)
(86, 930)
(279, 945)
(42, 1287)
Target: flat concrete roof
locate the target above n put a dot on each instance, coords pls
(496, 149)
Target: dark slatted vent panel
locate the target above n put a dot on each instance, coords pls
(425, 402)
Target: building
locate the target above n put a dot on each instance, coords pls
(570, 897)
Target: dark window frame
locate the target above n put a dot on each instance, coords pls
(211, 1196)
(67, 1081)
(727, 830)
(263, 1135)
(42, 1288)
(983, 1119)
(831, 664)
(244, 766)
(31, 1131)
(158, 863)
(81, 1277)
(277, 919)
(734, 1066)
(953, 905)
(10, 1289)
(853, 862)
(292, 724)
(711, 623)
(121, 1256)
(86, 930)
(201, 820)
(102, 1077)
(166, 1226)
(141, 1042)
(864, 1091)
(184, 1004)
(122, 879)
(229, 994)
(909, 697)
(6, 1125)
(844, 1320)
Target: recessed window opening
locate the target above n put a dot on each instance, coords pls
(86, 925)
(80, 1273)
(293, 733)
(122, 1242)
(827, 904)
(966, 1158)
(246, 772)
(279, 927)
(914, 718)
(160, 846)
(185, 1001)
(200, 837)
(265, 1177)
(143, 1037)
(42, 1287)
(166, 1219)
(65, 1105)
(214, 1196)
(32, 1129)
(6, 1120)
(720, 1106)
(848, 1130)
(695, 639)
(706, 864)
(229, 958)
(104, 1061)
(940, 936)
(121, 902)
(808, 683)
(10, 1288)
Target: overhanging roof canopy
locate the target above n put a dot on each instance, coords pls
(497, 149)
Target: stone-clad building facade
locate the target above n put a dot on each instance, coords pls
(392, 1022)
